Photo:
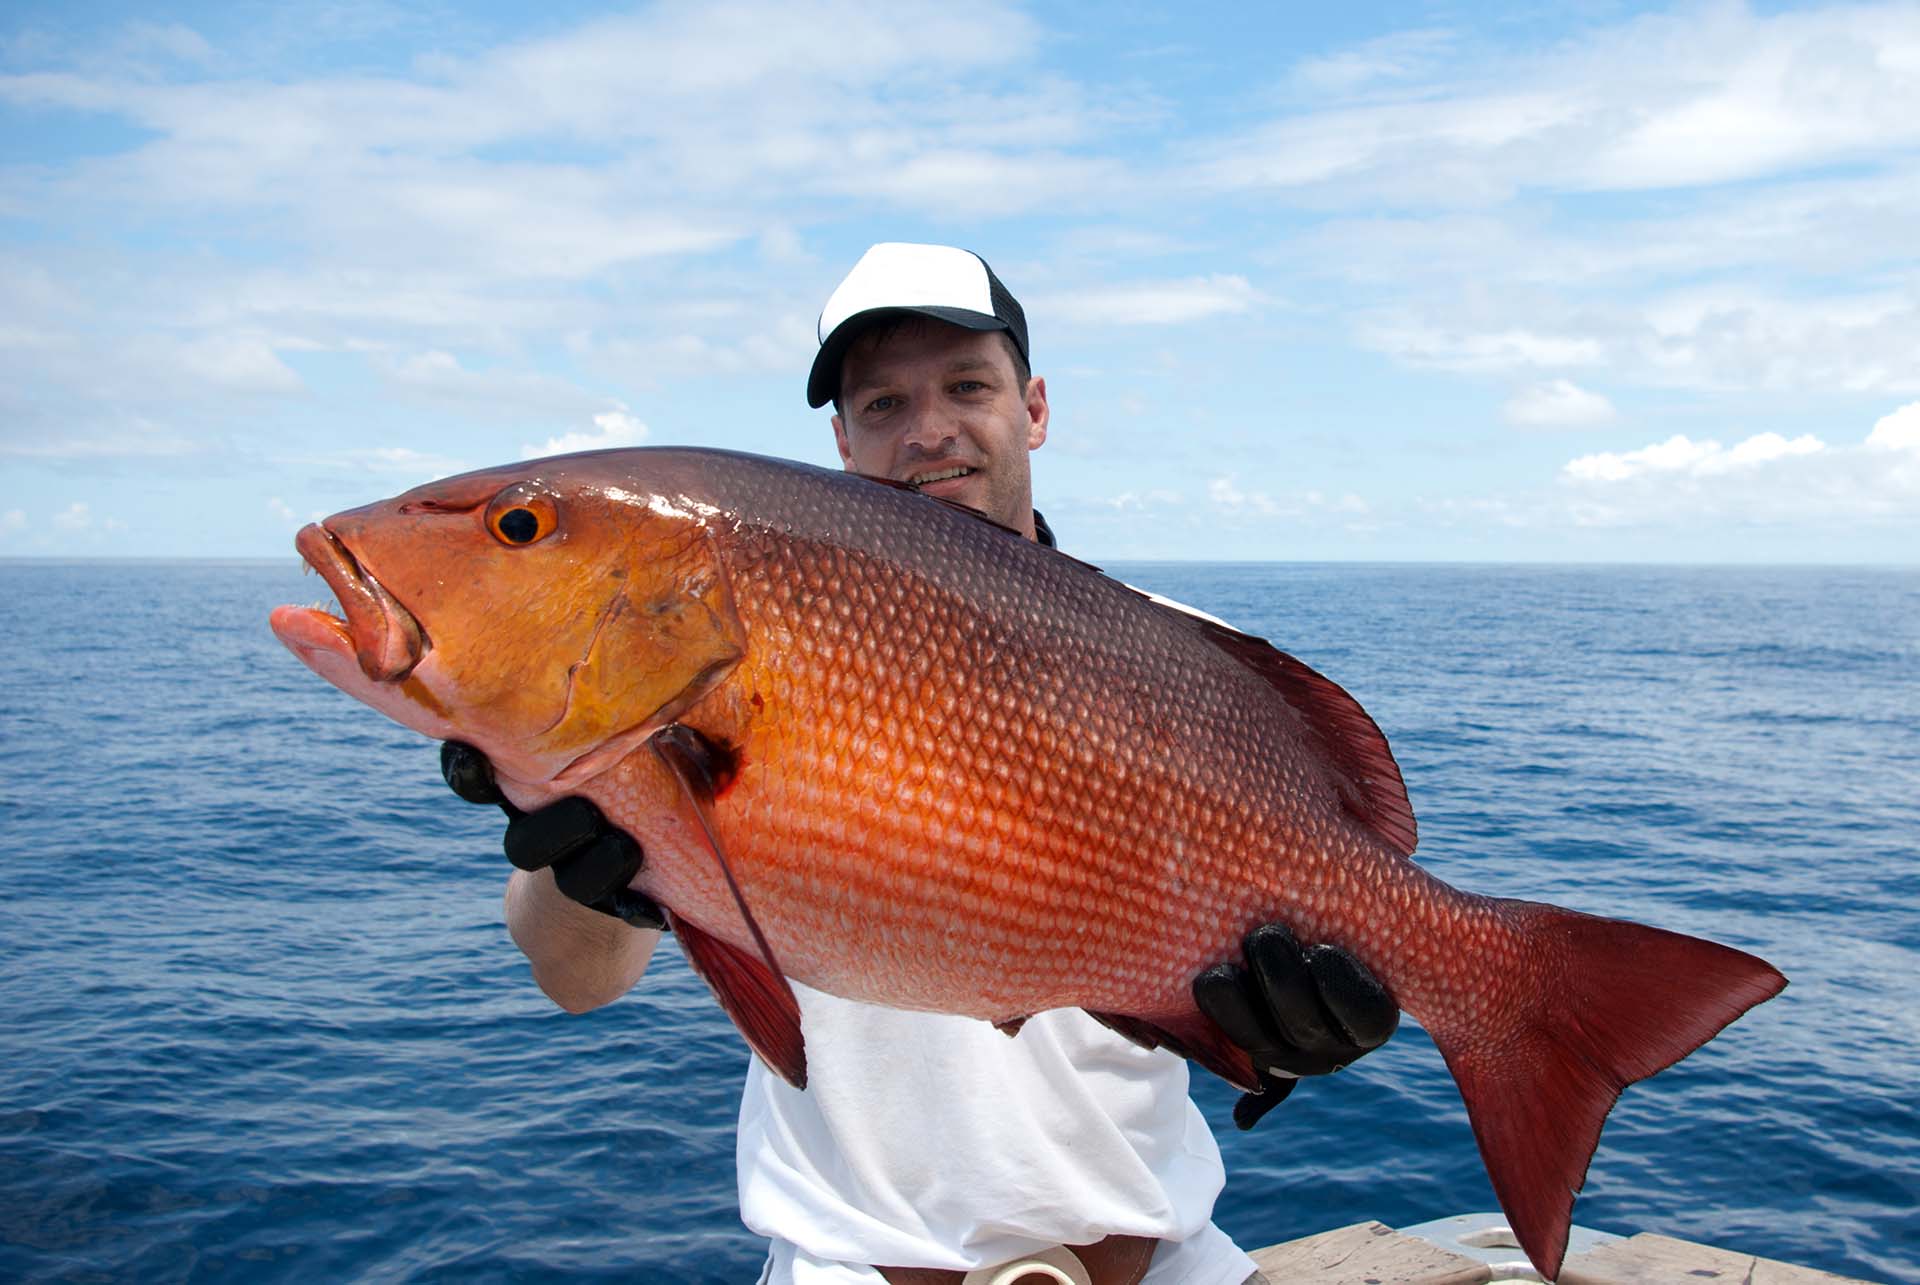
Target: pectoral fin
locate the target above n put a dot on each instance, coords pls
(758, 999)
(749, 985)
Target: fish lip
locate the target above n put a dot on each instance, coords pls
(387, 641)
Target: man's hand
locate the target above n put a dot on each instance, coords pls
(1299, 1011)
(592, 861)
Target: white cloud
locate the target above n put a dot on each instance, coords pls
(1398, 56)
(399, 466)
(976, 182)
(611, 429)
(12, 521)
(404, 459)
(746, 345)
(1452, 346)
(1681, 455)
(579, 184)
(525, 231)
(1763, 447)
(146, 442)
(1226, 494)
(1558, 403)
(1797, 485)
(1707, 95)
(169, 40)
(243, 363)
(1346, 502)
(282, 510)
(1827, 225)
(1153, 303)
(1899, 431)
(1715, 340)
(1765, 480)
(75, 518)
(438, 378)
(1138, 501)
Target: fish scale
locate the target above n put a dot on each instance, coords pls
(1063, 744)
(881, 746)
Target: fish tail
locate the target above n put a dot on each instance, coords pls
(1539, 1065)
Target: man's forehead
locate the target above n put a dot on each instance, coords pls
(913, 340)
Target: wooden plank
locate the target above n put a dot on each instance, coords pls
(1367, 1253)
(1648, 1259)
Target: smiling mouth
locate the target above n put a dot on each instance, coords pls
(387, 641)
(939, 475)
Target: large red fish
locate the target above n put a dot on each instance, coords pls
(888, 748)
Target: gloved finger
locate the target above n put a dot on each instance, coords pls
(468, 773)
(1287, 987)
(536, 840)
(1251, 1106)
(635, 909)
(603, 866)
(1353, 997)
(1225, 994)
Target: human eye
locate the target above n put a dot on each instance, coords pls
(881, 405)
(966, 386)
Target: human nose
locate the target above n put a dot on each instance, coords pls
(928, 429)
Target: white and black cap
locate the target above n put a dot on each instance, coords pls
(939, 281)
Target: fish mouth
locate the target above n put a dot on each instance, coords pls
(385, 639)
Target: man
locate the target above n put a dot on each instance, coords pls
(925, 1145)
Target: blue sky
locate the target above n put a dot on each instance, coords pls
(1583, 282)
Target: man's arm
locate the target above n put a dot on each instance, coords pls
(569, 910)
(582, 958)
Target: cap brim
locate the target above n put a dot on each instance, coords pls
(823, 381)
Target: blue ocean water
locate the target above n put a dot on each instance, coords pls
(260, 1019)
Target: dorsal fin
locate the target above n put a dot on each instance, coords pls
(1352, 744)
(955, 505)
(753, 990)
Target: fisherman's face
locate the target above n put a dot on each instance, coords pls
(942, 408)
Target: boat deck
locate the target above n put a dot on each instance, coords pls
(1474, 1248)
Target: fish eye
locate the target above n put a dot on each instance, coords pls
(522, 514)
(519, 525)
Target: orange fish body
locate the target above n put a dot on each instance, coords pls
(900, 754)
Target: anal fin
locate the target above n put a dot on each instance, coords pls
(1193, 1036)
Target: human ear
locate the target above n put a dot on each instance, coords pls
(1038, 412)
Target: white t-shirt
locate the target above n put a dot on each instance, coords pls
(929, 1140)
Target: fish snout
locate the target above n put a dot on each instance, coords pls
(387, 640)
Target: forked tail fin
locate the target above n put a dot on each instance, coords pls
(1605, 1003)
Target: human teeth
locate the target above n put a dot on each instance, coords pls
(924, 478)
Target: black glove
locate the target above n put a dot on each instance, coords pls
(1299, 1011)
(592, 861)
